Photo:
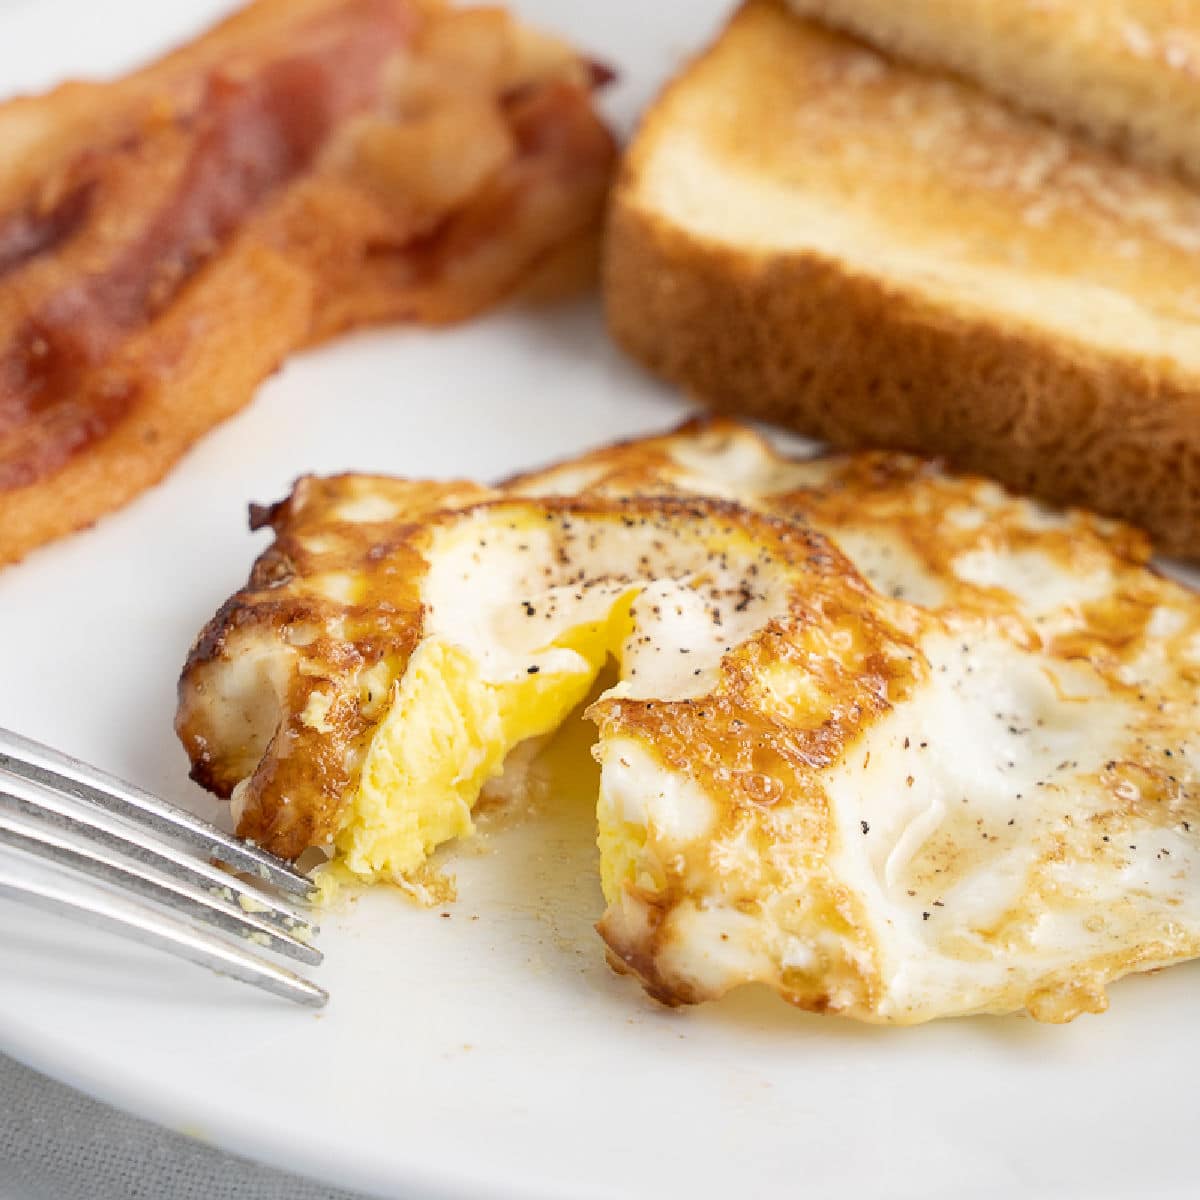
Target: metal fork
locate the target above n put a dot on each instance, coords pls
(130, 855)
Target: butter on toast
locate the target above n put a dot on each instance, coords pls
(1125, 71)
(807, 232)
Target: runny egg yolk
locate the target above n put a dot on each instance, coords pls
(448, 732)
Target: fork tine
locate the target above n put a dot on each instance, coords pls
(147, 925)
(39, 803)
(58, 844)
(29, 760)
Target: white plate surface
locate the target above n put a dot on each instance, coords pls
(490, 1052)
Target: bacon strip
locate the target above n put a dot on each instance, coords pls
(253, 177)
(24, 235)
(247, 138)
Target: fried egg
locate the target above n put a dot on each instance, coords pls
(892, 741)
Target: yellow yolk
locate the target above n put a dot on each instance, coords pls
(448, 732)
(621, 846)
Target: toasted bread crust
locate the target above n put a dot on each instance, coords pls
(802, 339)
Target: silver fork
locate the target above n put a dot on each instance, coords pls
(129, 855)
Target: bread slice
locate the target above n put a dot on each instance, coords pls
(1127, 71)
(805, 232)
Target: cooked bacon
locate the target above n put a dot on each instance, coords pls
(247, 137)
(26, 234)
(373, 159)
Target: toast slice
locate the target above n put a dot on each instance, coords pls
(1126, 71)
(806, 232)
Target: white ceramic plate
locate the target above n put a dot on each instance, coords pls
(489, 1052)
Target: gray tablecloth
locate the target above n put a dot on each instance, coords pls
(56, 1144)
